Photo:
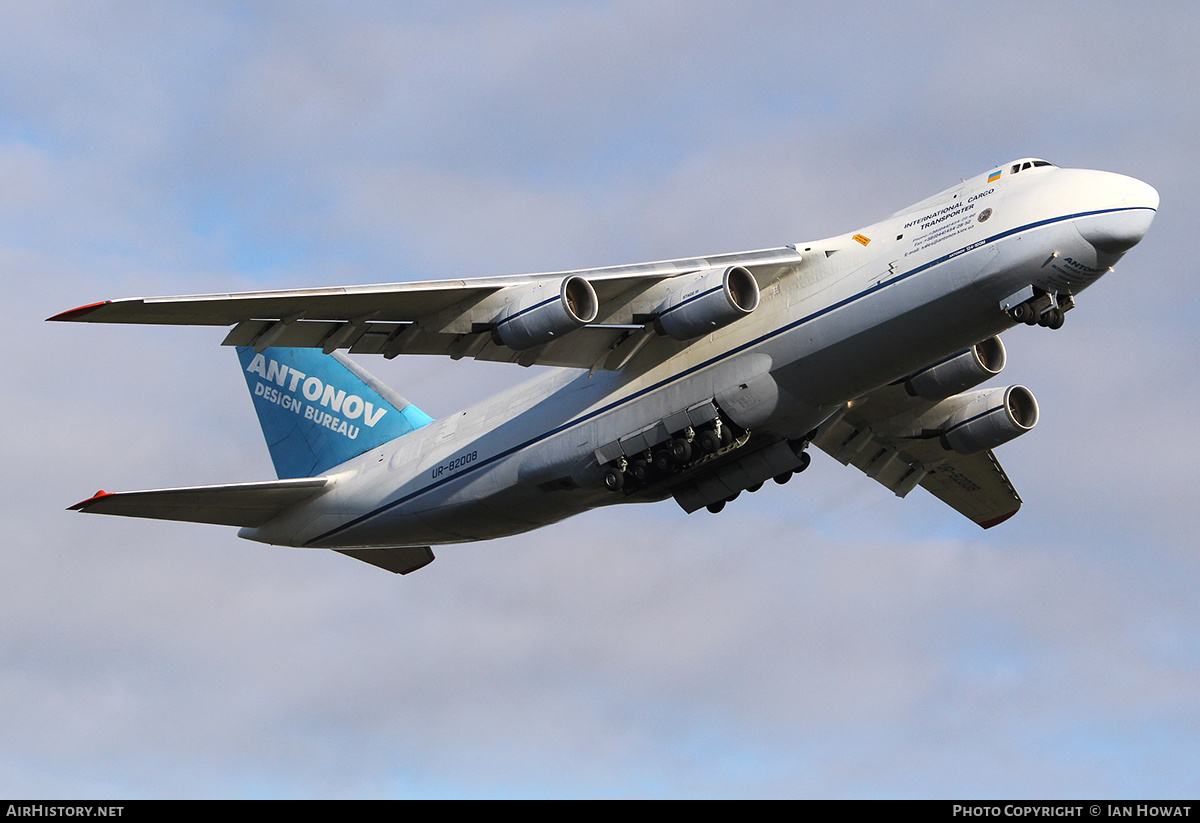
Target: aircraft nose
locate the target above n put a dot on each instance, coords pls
(1121, 225)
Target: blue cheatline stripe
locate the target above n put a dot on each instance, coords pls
(1002, 408)
(692, 299)
(535, 306)
(937, 363)
(482, 464)
(972, 419)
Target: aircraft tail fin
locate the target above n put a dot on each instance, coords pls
(319, 410)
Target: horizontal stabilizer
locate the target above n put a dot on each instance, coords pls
(235, 504)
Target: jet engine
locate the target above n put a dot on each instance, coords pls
(537, 318)
(713, 299)
(988, 418)
(959, 372)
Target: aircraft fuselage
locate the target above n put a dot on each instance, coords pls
(854, 313)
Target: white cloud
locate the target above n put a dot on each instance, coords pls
(820, 638)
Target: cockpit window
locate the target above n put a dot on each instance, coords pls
(1028, 164)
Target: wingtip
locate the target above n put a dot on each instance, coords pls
(80, 506)
(996, 521)
(78, 313)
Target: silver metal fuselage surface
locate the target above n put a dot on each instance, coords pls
(852, 313)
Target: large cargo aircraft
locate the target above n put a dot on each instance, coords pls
(697, 379)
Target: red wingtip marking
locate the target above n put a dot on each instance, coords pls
(996, 521)
(75, 314)
(92, 499)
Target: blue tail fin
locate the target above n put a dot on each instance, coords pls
(319, 410)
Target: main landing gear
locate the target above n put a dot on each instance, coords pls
(684, 449)
(804, 457)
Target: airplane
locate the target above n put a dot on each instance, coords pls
(695, 379)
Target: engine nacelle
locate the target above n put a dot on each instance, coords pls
(989, 418)
(959, 372)
(542, 316)
(712, 300)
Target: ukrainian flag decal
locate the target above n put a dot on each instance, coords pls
(994, 176)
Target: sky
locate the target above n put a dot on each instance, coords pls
(818, 639)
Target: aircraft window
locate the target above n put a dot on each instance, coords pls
(1027, 164)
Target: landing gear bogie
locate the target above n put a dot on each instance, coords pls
(682, 451)
(799, 448)
(1043, 309)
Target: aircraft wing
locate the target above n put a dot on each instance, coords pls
(236, 504)
(864, 436)
(448, 317)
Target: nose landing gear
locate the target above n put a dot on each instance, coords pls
(1043, 309)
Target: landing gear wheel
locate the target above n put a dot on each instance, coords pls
(1023, 313)
(783, 478)
(639, 470)
(663, 462)
(681, 450)
(805, 459)
(715, 508)
(1054, 319)
(614, 479)
(709, 441)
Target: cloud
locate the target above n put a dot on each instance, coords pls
(820, 638)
